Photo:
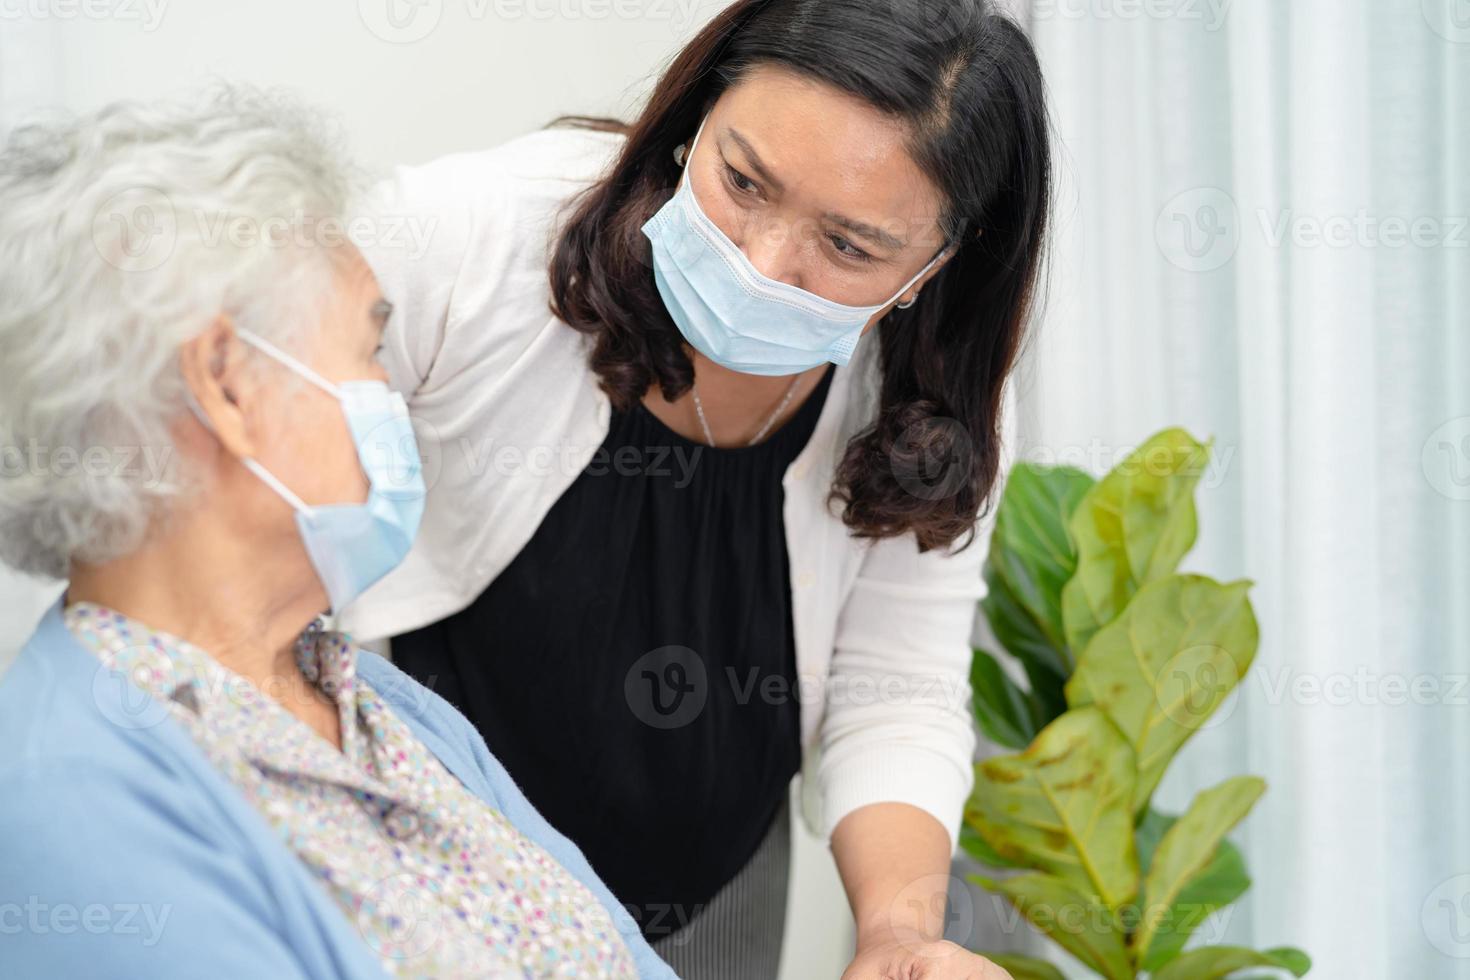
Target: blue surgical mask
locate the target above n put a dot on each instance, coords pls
(731, 313)
(352, 546)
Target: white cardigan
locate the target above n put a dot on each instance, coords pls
(508, 413)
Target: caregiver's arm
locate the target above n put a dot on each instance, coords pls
(894, 862)
(898, 744)
(896, 766)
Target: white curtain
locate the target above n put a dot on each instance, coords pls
(1262, 236)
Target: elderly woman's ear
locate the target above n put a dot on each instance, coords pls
(224, 389)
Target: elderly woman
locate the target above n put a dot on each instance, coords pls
(199, 779)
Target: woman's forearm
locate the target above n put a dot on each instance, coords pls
(894, 861)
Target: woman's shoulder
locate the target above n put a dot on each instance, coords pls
(534, 173)
(465, 240)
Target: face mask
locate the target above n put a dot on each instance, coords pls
(351, 546)
(731, 313)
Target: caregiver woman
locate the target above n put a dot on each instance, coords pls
(670, 549)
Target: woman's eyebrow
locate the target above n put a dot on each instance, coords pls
(859, 228)
(756, 163)
(865, 230)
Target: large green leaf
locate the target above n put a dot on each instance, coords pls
(1081, 926)
(1130, 529)
(978, 848)
(1025, 967)
(1185, 852)
(1063, 806)
(1046, 666)
(1216, 962)
(1006, 714)
(1031, 548)
(1222, 881)
(1162, 668)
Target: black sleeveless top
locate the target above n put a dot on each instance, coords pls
(634, 666)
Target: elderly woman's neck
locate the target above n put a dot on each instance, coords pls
(244, 611)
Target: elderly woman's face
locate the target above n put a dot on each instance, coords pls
(816, 187)
(304, 438)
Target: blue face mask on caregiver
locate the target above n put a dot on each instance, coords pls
(731, 313)
(351, 546)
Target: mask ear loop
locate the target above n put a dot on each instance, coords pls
(270, 349)
(922, 273)
(270, 480)
(265, 475)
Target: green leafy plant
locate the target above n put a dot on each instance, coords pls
(1124, 658)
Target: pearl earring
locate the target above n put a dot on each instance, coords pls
(679, 152)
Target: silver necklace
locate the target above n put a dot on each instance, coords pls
(704, 423)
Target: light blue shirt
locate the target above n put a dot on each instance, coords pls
(125, 854)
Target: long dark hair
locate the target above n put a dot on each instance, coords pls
(966, 81)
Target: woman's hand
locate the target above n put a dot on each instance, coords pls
(914, 960)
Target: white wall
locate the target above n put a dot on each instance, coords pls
(411, 79)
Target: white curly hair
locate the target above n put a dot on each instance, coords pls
(123, 234)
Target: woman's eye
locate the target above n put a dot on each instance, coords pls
(848, 249)
(739, 181)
